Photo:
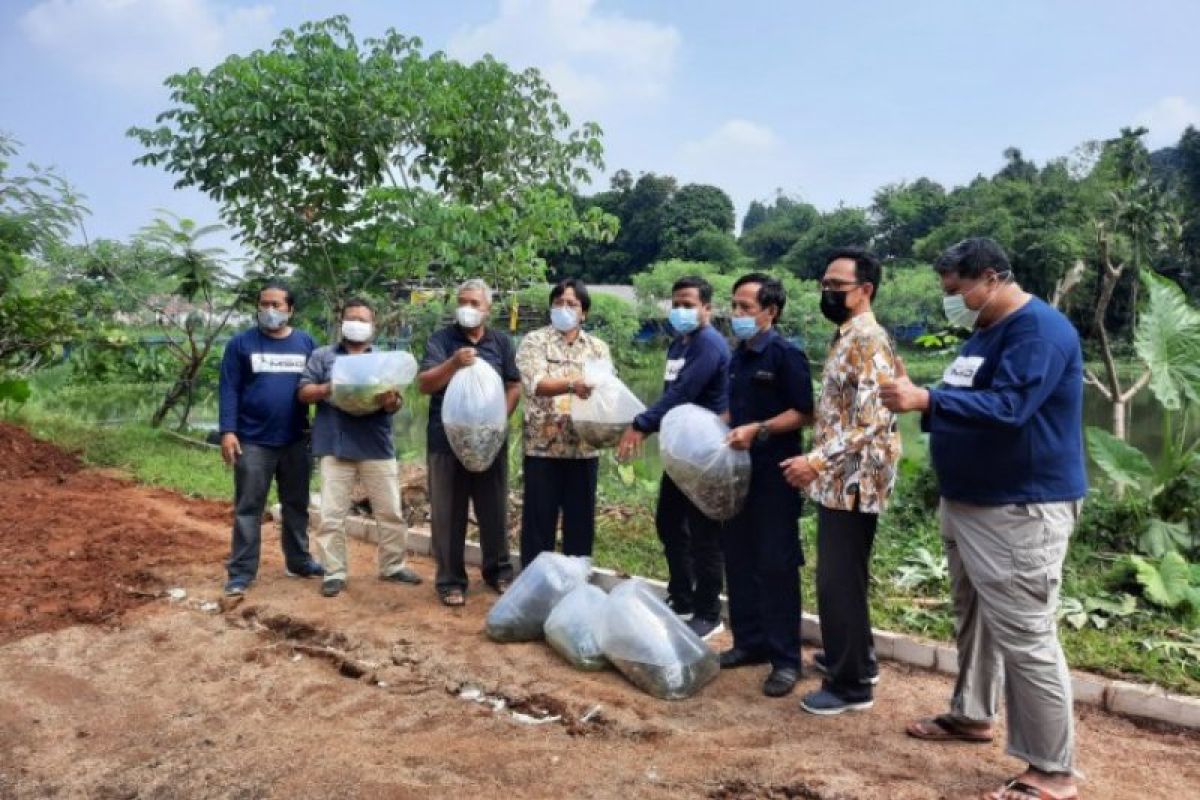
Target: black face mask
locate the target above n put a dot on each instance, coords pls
(833, 306)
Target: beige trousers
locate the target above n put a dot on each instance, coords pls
(381, 480)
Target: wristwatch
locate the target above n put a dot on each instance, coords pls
(570, 387)
(762, 434)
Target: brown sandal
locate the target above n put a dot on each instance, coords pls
(453, 598)
(1025, 790)
(944, 728)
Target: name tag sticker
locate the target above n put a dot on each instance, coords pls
(273, 362)
(673, 367)
(962, 372)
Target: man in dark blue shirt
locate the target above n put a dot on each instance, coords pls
(697, 372)
(770, 399)
(1006, 441)
(263, 428)
(452, 485)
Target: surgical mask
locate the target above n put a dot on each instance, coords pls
(272, 319)
(956, 310)
(356, 331)
(743, 327)
(469, 317)
(833, 306)
(684, 320)
(564, 319)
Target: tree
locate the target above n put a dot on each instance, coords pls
(905, 212)
(783, 223)
(365, 163)
(755, 215)
(694, 208)
(843, 227)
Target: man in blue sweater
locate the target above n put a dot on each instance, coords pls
(263, 436)
(1006, 441)
(697, 372)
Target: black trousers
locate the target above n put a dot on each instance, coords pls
(451, 486)
(762, 567)
(844, 541)
(692, 545)
(256, 467)
(554, 486)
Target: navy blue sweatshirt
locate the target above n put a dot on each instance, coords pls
(1007, 424)
(697, 372)
(257, 394)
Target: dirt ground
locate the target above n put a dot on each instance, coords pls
(111, 688)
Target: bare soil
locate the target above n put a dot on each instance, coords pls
(109, 688)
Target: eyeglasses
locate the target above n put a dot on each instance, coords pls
(838, 285)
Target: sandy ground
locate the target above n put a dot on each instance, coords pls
(111, 689)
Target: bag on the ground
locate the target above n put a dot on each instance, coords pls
(573, 625)
(521, 612)
(713, 475)
(603, 417)
(359, 380)
(652, 647)
(475, 415)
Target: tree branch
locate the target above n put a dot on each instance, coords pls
(1089, 377)
(1137, 387)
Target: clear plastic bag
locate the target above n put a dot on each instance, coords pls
(475, 415)
(652, 647)
(603, 417)
(521, 612)
(713, 475)
(572, 627)
(358, 380)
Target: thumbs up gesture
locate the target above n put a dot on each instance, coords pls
(899, 393)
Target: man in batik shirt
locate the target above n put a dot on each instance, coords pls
(849, 473)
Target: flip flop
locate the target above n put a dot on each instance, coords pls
(453, 598)
(944, 728)
(1026, 791)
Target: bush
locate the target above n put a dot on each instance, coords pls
(1113, 523)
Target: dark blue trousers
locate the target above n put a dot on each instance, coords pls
(256, 467)
(555, 486)
(692, 545)
(762, 568)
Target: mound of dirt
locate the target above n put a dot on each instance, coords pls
(22, 456)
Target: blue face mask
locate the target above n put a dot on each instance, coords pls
(684, 320)
(743, 327)
(563, 319)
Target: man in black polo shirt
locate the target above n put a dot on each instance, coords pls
(451, 484)
(770, 399)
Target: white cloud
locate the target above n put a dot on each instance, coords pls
(591, 59)
(1167, 119)
(737, 137)
(135, 44)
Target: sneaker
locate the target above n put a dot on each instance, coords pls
(332, 587)
(826, 704)
(402, 575)
(780, 682)
(705, 628)
(820, 664)
(310, 569)
(736, 657)
(682, 610)
(236, 587)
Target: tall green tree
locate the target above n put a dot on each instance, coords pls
(904, 213)
(780, 227)
(842, 227)
(693, 209)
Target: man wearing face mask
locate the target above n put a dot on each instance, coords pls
(1006, 441)
(263, 437)
(451, 485)
(849, 473)
(560, 469)
(355, 449)
(697, 372)
(770, 399)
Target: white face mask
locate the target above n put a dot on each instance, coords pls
(356, 331)
(469, 317)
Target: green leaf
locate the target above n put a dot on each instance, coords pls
(1161, 537)
(1123, 464)
(15, 390)
(1168, 340)
(1165, 584)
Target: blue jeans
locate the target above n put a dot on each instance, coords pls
(252, 475)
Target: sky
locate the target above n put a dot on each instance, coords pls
(823, 101)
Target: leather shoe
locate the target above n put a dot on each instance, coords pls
(780, 682)
(736, 657)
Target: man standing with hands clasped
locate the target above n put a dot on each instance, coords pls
(1007, 446)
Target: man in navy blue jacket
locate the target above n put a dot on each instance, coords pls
(263, 436)
(1006, 441)
(697, 372)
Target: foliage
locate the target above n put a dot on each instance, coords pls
(906, 212)
(1097, 610)
(1168, 342)
(1169, 583)
(773, 230)
(694, 209)
(908, 295)
(843, 227)
(922, 569)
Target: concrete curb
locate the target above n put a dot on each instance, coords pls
(1117, 697)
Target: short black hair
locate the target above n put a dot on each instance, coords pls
(970, 257)
(357, 302)
(867, 267)
(280, 286)
(697, 283)
(577, 286)
(770, 290)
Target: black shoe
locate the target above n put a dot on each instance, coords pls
(681, 609)
(780, 682)
(332, 587)
(822, 666)
(736, 657)
(705, 628)
(402, 575)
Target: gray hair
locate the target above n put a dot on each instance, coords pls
(475, 285)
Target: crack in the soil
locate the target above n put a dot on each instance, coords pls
(741, 789)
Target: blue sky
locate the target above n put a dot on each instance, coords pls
(824, 101)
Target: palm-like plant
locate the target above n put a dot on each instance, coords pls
(198, 269)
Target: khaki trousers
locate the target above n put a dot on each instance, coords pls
(381, 480)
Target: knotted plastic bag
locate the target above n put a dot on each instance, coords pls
(359, 380)
(475, 415)
(603, 417)
(573, 626)
(652, 647)
(521, 612)
(713, 475)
